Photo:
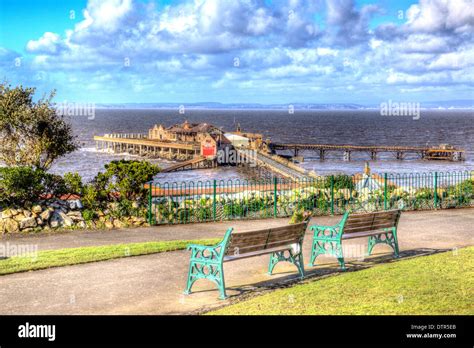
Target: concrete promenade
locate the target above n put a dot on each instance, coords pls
(153, 284)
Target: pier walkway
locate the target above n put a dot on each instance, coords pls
(281, 166)
(442, 152)
(194, 163)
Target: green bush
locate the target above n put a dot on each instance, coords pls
(73, 183)
(22, 186)
(340, 182)
(89, 215)
(128, 178)
(122, 182)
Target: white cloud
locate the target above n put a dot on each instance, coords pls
(48, 43)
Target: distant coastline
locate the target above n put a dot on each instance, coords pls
(461, 105)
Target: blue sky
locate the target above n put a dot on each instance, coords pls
(248, 51)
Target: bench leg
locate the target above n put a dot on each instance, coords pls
(316, 250)
(390, 239)
(191, 278)
(212, 272)
(321, 247)
(221, 283)
(296, 259)
(340, 256)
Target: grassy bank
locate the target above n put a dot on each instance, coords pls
(74, 256)
(435, 284)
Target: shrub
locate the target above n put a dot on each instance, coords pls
(122, 182)
(340, 182)
(127, 178)
(73, 183)
(88, 215)
(21, 186)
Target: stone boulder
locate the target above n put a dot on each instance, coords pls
(60, 219)
(75, 216)
(9, 225)
(37, 209)
(29, 222)
(75, 204)
(45, 215)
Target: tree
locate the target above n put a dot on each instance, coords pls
(31, 133)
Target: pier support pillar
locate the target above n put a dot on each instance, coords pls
(373, 155)
(347, 156)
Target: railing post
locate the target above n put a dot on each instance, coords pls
(385, 199)
(214, 200)
(275, 210)
(435, 187)
(150, 202)
(332, 194)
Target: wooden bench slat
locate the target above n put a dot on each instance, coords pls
(369, 228)
(378, 213)
(264, 240)
(369, 219)
(362, 234)
(253, 253)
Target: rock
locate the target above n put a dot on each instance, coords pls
(45, 215)
(27, 213)
(75, 216)
(28, 222)
(74, 204)
(59, 218)
(19, 217)
(59, 205)
(37, 209)
(54, 223)
(135, 205)
(81, 224)
(109, 224)
(39, 221)
(139, 221)
(10, 226)
(118, 224)
(28, 229)
(7, 213)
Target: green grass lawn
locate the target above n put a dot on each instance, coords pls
(74, 256)
(436, 284)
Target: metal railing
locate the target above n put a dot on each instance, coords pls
(219, 200)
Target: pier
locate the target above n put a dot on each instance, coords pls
(197, 145)
(442, 152)
(138, 144)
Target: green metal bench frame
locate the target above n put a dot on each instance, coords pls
(328, 239)
(206, 262)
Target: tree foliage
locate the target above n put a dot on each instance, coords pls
(31, 132)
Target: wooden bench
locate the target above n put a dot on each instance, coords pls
(380, 227)
(283, 243)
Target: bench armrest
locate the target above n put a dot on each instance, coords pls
(209, 252)
(201, 247)
(320, 231)
(335, 231)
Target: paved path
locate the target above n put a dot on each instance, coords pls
(74, 239)
(153, 284)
